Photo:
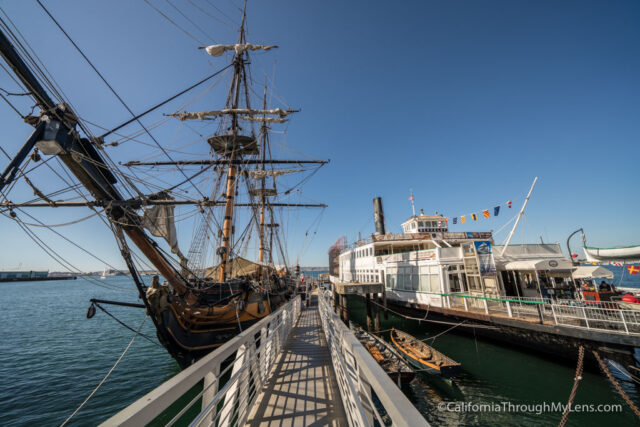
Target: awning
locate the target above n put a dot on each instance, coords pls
(539, 264)
(592, 272)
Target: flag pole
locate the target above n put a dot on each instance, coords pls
(524, 205)
(413, 206)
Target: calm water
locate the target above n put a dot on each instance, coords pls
(493, 373)
(621, 277)
(52, 356)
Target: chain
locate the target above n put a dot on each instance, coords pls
(574, 389)
(624, 396)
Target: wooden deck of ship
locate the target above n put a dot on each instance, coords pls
(302, 389)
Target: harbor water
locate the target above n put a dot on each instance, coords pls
(501, 385)
(52, 357)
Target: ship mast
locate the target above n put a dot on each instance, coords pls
(227, 227)
(263, 134)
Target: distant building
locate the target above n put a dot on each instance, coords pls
(8, 276)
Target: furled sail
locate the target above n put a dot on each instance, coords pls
(264, 119)
(159, 221)
(274, 173)
(203, 115)
(219, 49)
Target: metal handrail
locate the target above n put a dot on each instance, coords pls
(255, 349)
(575, 314)
(359, 376)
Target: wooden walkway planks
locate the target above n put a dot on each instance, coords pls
(302, 389)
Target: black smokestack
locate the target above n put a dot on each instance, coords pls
(378, 216)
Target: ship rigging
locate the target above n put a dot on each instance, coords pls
(197, 308)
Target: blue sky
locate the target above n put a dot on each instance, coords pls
(465, 102)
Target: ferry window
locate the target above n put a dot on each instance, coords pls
(413, 225)
(429, 279)
(400, 281)
(414, 281)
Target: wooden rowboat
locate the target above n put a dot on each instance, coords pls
(423, 356)
(387, 357)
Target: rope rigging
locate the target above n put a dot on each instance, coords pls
(115, 365)
(113, 91)
(104, 310)
(138, 186)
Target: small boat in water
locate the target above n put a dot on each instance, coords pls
(393, 363)
(423, 356)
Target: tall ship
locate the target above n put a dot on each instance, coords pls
(213, 291)
(528, 295)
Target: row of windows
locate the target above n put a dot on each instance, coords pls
(422, 279)
(426, 226)
(364, 252)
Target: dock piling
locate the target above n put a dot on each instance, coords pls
(376, 314)
(369, 316)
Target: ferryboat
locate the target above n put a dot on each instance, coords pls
(526, 292)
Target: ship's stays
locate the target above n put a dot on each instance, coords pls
(238, 193)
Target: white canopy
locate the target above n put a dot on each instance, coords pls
(539, 264)
(592, 272)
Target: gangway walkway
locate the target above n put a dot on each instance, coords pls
(298, 366)
(302, 389)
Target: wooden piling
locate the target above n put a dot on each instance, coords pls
(369, 317)
(376, 314)
(345, 311)
(384, 303)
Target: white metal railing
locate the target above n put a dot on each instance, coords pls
(363, 384)
(253, 353)
(604, 316)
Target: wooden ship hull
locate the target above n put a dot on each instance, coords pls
(190, 333)
(423, 356)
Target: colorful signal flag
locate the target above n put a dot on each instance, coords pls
(462, 219)
(496, 210)
(633, 269)
(486, 213)
(455, 219)
(474, 216)
(509, 204)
